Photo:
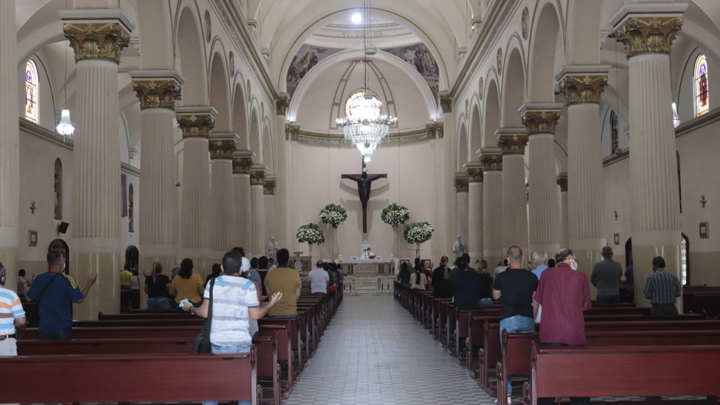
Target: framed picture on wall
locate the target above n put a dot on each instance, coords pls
(704, 230)
(32, 238)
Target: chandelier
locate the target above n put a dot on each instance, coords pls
(363, 124)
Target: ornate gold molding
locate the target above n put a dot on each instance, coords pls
(242, 162)
(642, 35)
(512, 144)
(446, 101)
(100, 40)
(222, 148)
(583, 89)
(281, 104)
(257, 176)
(540, 122)
(461, 183)
(562, 181)
(476, 173)
(433, 128)
(157, 93)
(196, 125)
(269, 186)
(491, 162)
(291, 131)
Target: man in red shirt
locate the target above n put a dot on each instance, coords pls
(564, 294)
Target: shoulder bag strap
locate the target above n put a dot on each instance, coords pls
(46, 286)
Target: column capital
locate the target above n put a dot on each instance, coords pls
(475, 172)
(461, 182)
(512, 141)
(222, 145)
(648, 27)
(291, 131)
(269, 185)
(242, 161)
(157, 88)
(491, 159)
(582, 84)
(257, 175)
(540, 118)
(96, 34)
(281, 103)
(446, 102)
(196, 122)
(435, 127)
(562, 181)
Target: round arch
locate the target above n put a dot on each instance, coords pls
(475, 134)
(220, 91)
(267, 147)
(463, 152)
(191, 52)
(513, 93)
(255, 137)
(239, 111)
(491, 123)
(547, 51)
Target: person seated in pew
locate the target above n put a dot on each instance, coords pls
(12, 317)
(564, 294)
(418, 279)
(441, 279)
(662, 288)
(287, 281)
(56, 292)
(187, 285)
(465, 285)
(216, 270)
(332, 271)
(486, 283)
(235, 304)
(404, 274)
(157, 287)
(319, 279)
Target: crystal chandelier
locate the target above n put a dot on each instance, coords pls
(65, 126)
(363, 124)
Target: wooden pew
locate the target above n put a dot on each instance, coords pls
(94, 378)
(517, 348)
(623, 371)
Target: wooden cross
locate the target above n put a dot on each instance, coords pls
(703, 201)
(364, 184)
(33, 207)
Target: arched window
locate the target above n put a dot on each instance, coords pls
(57, 188)
(614, 131)
(31, 92)
(702, 95)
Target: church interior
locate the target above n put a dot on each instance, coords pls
(182, 128)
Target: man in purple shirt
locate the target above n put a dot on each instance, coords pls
(564, 294)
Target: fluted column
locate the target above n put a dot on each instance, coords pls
(157, 92)
(512, 141)
(461, 206)
(492, 205)
(648, 30)
(544, 213)
(9, 142)
(257, 193)
(284, 171)
(474, 172)
(562, 181)
(96, 155)
(445, 177)
(196, 124)
(222, 145)
(242, 162)
(269, 186)
(583, 86)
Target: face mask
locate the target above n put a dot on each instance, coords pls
(574, 264)
(62, 269)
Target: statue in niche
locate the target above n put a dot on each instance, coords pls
(131, 210)
(459, 247)
(272, 248)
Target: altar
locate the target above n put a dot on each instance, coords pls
(368, 276)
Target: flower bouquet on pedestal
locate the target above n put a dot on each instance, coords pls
(333, 215)
(418, 233)
(310, 234)
(395, 215)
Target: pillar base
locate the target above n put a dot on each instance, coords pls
(104, 296)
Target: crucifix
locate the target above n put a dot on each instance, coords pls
(364, 184)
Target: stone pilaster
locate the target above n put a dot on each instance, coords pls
(97, 37)
(474, 172)
(492, 205)
(242, 162)
(512, 141)
(196, 124)
(583, 86)
(445, 162)
(562, 182)
(284, 171)
(462, 206)
(9, 143)
(222, 146)
(544, 213)
(157, 91)
(648, 30)
(257, 184)
(269, 186)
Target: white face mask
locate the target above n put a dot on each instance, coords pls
(62, 269)
(573, 264)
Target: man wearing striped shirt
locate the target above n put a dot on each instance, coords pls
(12, 316)
(662, 288)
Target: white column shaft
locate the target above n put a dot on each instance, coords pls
(492, 209)
(222, 194)
(475, 220)
(258, 219)
(283, 186)
(514, 206)
(564, 216)
(195, 198)
(544, 208)
(462, 202)
(270, 219)
(244, 210)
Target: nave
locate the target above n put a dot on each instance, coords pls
(374, 352)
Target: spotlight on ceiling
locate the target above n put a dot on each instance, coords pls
(356, 18)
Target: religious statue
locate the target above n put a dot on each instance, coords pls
(459, 247)
(364, 183)
(272, 248)
(366, 251)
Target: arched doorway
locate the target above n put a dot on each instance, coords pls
(59, 244)
(132, 258)
(684, 257)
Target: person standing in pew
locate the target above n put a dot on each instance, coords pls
(187, 285)
(564, 294)
(465, 285)
(157, 288)
(662, 288)
(516, 287)
(606, 275)
(441, 279)
(235, 304)
(285, 280)
(12, 317)
(56, 292)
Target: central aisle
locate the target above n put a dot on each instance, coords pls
(374, 352)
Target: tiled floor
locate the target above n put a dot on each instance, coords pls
(374, 352)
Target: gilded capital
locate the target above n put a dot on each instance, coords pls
(582, 89)
(157, 93)
(281, 104)
(434, 128)
(491, 162)
(446, 102)
(651, 34)
(196, 125)
(512, 144)
(461, 183)
(242, 162)
(475, 173)
(222, 148)
(562, 181)
(540, 122)
(96, 40)
(269, 185)
(257, 176)
(291, 131)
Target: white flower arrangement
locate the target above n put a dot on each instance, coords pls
(395, 215)
(311, 234)
(418, 232)
(333, 214)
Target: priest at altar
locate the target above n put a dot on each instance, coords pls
(366, 253)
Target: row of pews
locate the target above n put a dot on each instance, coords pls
(628, 352)
(148, 356)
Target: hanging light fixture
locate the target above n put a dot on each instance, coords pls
(65, 126)
(363, 124)
(676, 119)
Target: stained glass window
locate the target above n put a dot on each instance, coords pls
(31, 92)
(614, 133)
(702, 95)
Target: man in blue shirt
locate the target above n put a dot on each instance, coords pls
(540, 259)
(56, 292)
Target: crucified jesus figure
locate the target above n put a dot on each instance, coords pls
(364, 184)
